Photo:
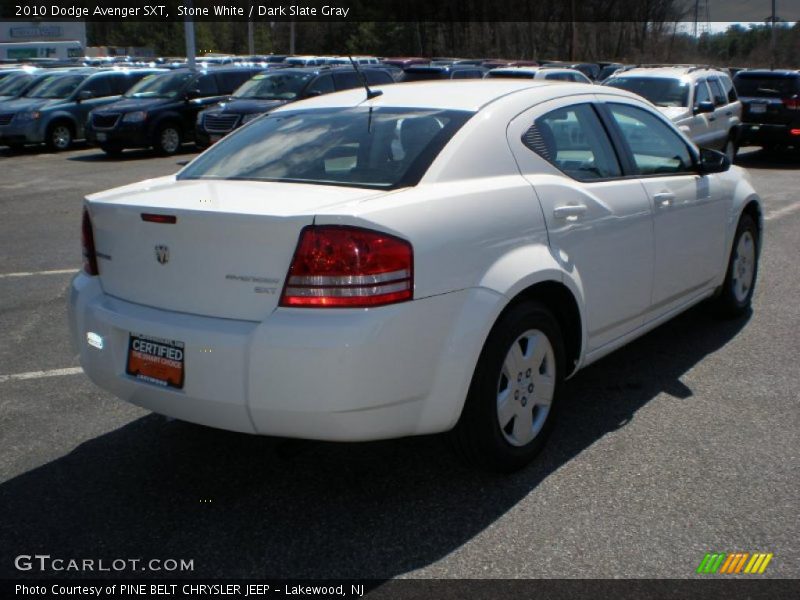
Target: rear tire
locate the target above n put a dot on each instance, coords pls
(513, 398)
(730, 149)
(740, 279)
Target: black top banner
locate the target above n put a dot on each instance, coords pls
(399, 10)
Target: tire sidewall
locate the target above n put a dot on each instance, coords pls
(480, 412)
(51, 132)
(730, 303)
(159, 134)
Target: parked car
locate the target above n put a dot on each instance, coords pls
(701, 101)
(545, 73)
(442, 71)
(160, 111)
(591, 70)
(55, 110)
(266, 91)
(405, 61)
(439, 257)
(608, 69)
(771, 101)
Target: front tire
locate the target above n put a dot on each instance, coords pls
(730, 149)
(737, 291)
(59, 137)
(512, 400)
(168, 139)
(112, 151)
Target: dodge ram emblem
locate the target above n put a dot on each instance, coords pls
(162, 254)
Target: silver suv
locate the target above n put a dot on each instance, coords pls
(701, 101)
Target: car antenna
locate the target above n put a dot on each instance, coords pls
(370, 93)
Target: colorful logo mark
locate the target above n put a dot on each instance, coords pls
(734, 563)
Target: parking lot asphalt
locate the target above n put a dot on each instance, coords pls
(687, 441)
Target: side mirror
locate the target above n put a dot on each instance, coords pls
(313, 93)
(712, 161)
(85, 95)
(192, 94)
(704, 107)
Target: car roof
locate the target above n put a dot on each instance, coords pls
(768, 73)
(466, 94)
(685, 72)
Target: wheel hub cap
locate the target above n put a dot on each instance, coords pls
(525, 387)
(744, 266)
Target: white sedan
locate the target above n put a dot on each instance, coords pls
(441, 256)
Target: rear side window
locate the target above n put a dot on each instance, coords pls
(346, 80)
(574, 140)
(656, 148)
(720, 97)
(558, 76)
(207, 85)
(378, 77)
(228, 82)
(322, 85)
(730, 90)
(123, 82)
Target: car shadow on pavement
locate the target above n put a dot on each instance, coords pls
(757, 158)
(99, 156)
(247, 506)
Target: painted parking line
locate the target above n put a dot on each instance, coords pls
(782, 212)
(34, 273)
(40, 374)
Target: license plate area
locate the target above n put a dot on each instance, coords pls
(101, 137)
(156, 360)
(758, 108)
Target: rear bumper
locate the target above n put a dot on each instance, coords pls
(760, 134)
(343, 375)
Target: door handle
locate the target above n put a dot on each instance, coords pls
(569, 211)
(712, 118)
(664, 199)
(728, 114)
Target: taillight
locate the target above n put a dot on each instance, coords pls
(338, 266)
(87, 239)
(792, 103)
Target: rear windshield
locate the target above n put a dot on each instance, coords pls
(661, 91)
(274, 86)
(56, 86)
(510, 74)
(380, 148)
(766, 86)
(164, 85)
(425, 75)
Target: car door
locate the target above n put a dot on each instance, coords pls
(689, 211)
(727, 114)
(599, 223)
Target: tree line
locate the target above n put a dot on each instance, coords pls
(648, 41)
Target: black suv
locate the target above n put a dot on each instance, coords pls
(274, 88)
(770, 107)
(160, 110)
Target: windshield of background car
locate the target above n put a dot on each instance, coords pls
(15, 84)
(273, 86)
(382, 148)
(767, 86)
(165, 85)
(56, 86)
(661, 91)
